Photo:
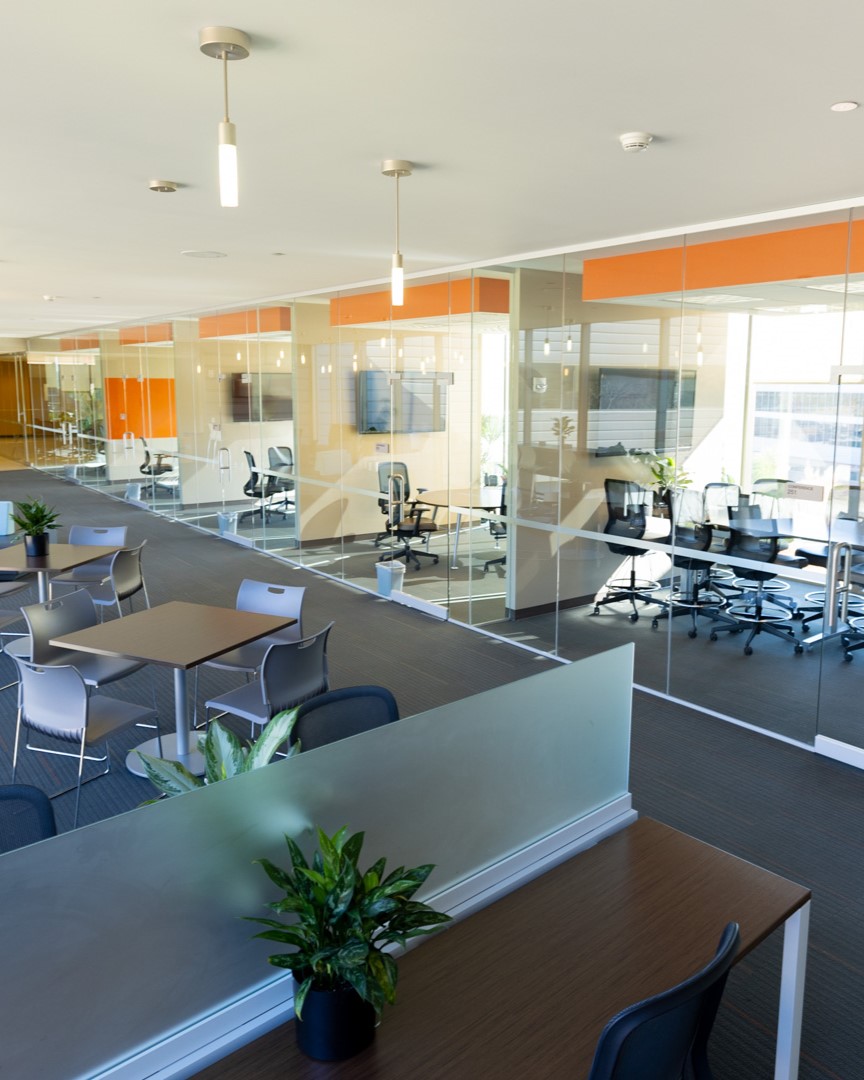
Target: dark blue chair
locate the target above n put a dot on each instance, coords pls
(26, 815)
(339, 714)
(665, 1037)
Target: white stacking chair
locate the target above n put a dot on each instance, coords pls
(97, 570)
(55, 701)
(291, 673)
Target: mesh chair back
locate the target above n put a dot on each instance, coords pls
(26, 815)
(688, 528)
(149, 467)
(342, 713)
(295, 671)
(627, 506)
(755, 548)
(386, 469)
(98, 535)
(769, 495)
(42, 689)
(252, 487)
(717, 498)
(499, 528)
(280, 457)
(666, 1035)
(267, 598)
(54, 618)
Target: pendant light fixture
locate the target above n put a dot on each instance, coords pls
(397, 168)
(225, 43)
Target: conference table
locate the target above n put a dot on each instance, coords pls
(461, 501)
(60, 558)
(524, 986)
(179, 635)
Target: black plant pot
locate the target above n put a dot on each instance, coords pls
(36, 546)
(336, 1024)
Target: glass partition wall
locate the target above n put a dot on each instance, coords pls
(573, 437)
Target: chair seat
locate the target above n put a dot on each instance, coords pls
(246, 702)
(250, 657)
(97, 570)
(94, 670)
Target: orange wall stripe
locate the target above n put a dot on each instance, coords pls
(252, 321)
(79, 343)
(818, 251)
(142, 335)
(424, 301)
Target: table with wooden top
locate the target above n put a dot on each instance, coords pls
(179, 635)
(60, 558)
(461, 501)
(523, 987)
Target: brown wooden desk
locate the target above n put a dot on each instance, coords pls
(60, 557)
(524, 987)
(178, 635)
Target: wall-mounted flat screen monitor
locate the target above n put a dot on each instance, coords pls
(256, 397)
(641, 409)
(402, 403)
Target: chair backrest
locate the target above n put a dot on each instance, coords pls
(280, 457)
(339, 714)
(386, 469)
(126, 575)
(54, 618)
(499, 528)
(267, 598)
(42, 688)
(295, 671)
(717, 497)
(658, 1038)
(627, 506)
(769, 494)
(98, 535)
(26, 815)
(755, 548)
(688, 527)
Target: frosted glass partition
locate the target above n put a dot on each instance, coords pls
(123, 932)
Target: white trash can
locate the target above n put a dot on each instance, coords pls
(227, 522)
(391, 576)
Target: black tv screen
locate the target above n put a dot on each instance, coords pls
(402, 403)
(256, 397)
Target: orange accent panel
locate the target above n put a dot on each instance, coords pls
(818, 251)
(252, 321)
(144, 408)
(424, 301)
(67, 344)
(143, 335)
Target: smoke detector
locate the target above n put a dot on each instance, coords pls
(634, 142)
(163, 185)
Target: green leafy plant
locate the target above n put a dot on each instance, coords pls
(35, 517)
(562, 427)
(344, 919)
(667, 474)
(225, 755)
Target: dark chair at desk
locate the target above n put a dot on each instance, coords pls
(280, 460)
(157, 472)
(26, 815)
(666, 1036)
(698, 594)
(627, 506)
(261, 487)
(498, 530)
(757, 609)
(339, 714)
(405, 523)
(399, 469)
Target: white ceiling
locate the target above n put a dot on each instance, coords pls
(511, 112)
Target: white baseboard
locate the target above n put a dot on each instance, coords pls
(839, 751)
(197, 1045)
(409, 600)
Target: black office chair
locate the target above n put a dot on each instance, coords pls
(157, 470)
(498, 530)
(697, 595)
(386, 469)
(627, 505)
(666, 1036)
(26, 815)
(261, 488)
(280, 478)
(759, 608)
(339, 714)
(405, 522)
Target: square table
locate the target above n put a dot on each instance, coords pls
(179, 635)
(523, 987)
(60, 558)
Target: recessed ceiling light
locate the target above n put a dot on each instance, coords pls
(844, 106)
(204, 254)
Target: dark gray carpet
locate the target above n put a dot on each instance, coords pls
(776, 805)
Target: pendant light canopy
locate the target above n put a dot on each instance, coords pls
(397, 168)
(225, 43)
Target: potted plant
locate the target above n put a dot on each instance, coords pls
(667, 477)
(35, 518)
(225, 755)
(342, 923)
